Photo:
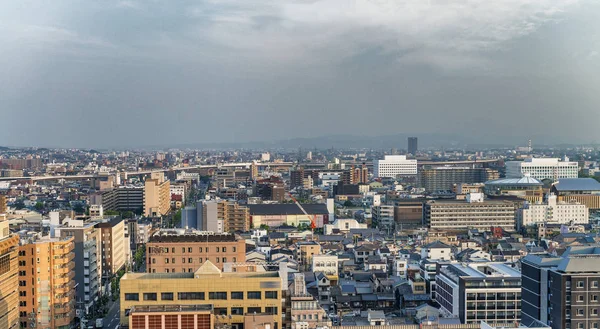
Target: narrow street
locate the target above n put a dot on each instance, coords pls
(112, 317)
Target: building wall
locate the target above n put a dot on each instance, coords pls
(113, 246)
(459, 216)
(546, 168)
(123, 199)
(394, 165)
(171, 320)
(9, 271)
(157, 196)
(47, 284)
(553, 213)
(444, 178)
(3, 206)
(591, 201)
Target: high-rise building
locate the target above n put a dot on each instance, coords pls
(114, 245)
(122, 198)
(444, 178)
(157, 196)
(562, 291)
(9, 277)
(46, 282)
(305, 311)
(394, 165)
(477, 292)
(412, 145)
(296, 178)
(3, 206)
(180, 251)
(543, 168)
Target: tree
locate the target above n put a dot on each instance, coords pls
(78, 208)
(348, 203)
(39, 206)
(265, 227)
(177, 218)
(111, 213)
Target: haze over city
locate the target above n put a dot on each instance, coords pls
(104, 74)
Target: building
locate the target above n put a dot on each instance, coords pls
(463, 189)
(9, 277)
(306, 313)
(383, 216)
(88, 256)
(114, 245)
(122, 198)
(46, 282)
(342, 225)
(444, 178)
(480, 291)
(172, 316)
(233, 295)
(11, 173)
(526, 187)
(583, 190)
(393, 166)
(543, 168)
(275, 215)
(552, 212)
(180, 251)
(436, 250)
(305, 250)
(562, 291)
(327, 264)
(157, 196)
(412, 145)
(408, 213)
(3, 205)
(475, 212)
(179, 190)
(96, 211)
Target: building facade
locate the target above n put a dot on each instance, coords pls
(542, 168)
(392, 166)
(114, 245)
(157, 195)
(9, 277)
(444, 178)
(383, 216)
(454, 215)
(122, 198)
(553, 212)
(412, 145)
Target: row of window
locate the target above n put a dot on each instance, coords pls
(152, 296)
(191, 260)
(200, 249)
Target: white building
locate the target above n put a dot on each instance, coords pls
(544, 168)
(96, 211)
(383, 216)
(178, 189)
(393, 166)
(436, 251)
(328, 264)
(188, 176)
(399, 266)
(265, 157)
(553, 212)
(343, 225)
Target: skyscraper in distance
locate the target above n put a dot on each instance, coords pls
(412, 145)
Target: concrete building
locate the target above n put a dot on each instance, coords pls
(305, 250)
(46, 282)
(3, 205)
(88, 256)
(9, 277)
(475, 212)
(328, 264)
(180, 251)
(275, 215)
(96, 211)
(412, 145)
(114, 245)
(543, 168)
(172, 316)
(157, 196)
(583, 190)
(552, 212)
(393, 166)
(480, 291)
(444, 178)
(562, 291)
(342, 225)
(178, 189)
(306, 313)
(383, 216)
(236, 295)
(122, 198)
(436, 251)
(408, 213)
(526, 187)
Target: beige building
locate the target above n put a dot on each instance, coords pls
(114, 245)
(305, 311)
(9, 277)
(180, 251)
(157, 195)
(3, 206)
(235, 296)
(46, 282)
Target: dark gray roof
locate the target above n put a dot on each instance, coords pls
(577, 184)
(437, 244)
(287, 209)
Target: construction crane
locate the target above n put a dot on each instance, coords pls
(313, 219)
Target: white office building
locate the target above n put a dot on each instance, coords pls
(542, 168)
(553, 212)
(394, 165)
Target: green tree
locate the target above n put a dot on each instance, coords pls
(111, 213)
(348, 203)
(265, 227)
(39, 206)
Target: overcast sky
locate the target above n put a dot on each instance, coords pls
(134, 73)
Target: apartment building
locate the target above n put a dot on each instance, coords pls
(9, 277)
(46, 282)
(157, 195)
(444, 178)
(475, 212)
(88, 257)
(305, 250)
(181, 251)
(562, 291)
(477, 292)
(122, 198)
(235, 296)
(383, 216)
(306, 313)
(392, 166)
(115, 246)
(3, 205)
(552, 212)
(543, 168)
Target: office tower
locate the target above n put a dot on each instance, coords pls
(477, 292)
(543, 168)
(88, 256)
(46, 282)
(9, 277)
(552, 212)
(458, 215)
(157, 197)
(238, 295)
(412, 145)
(122, 198)
(180, 251)
(444, 178)
(394, 165)
(562, 291)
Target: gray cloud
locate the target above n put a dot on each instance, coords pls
(132, 73)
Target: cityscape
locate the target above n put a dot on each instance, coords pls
(300, 164)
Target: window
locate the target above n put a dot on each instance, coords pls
(217, 295)
(173, 260)
(234, 249)
(200, 249)
(130, 296)
(254, 295)
(166, 261)
(190, 250)
(200, 260)
(220, 310)
(190, 295)
(207, 249)
(580, 325)
(252, 310)
(595, 325)
(594, 284)
(217, 249)
(224, 249)
(224, 260)
(271, 310)
(237, 295)
(579, 284)
(173, 250)
(166, 296)
(579, 312)
(183, 260)
(580, 298)
(183, 250)
(234, 259)
(271, 294)
(189, 260)
(594, 311)
(149, 296)
(218, 259)
(594, 298)
(237, 311)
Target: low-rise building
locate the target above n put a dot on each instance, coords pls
(553, 212)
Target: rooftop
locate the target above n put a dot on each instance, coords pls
(182, 235)
(287, 209)
(577, 184)
(523, 181)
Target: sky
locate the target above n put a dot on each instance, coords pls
(109, 73)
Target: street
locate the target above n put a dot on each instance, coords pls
(112, 317)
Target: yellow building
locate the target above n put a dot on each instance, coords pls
(157, 195)
(3, 206)
(9, 276)
(46, 282)
(233, 295)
